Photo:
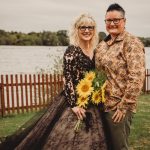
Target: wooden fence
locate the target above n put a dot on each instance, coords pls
(24, 93)
(146, 87)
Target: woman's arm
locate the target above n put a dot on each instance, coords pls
(69, 87)
(68, 64)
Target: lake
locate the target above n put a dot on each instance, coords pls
(33, 59)
(28, 59)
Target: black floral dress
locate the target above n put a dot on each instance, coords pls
(55, 129)
(63, 137)
(76, 63)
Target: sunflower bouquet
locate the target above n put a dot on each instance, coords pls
(91, 89)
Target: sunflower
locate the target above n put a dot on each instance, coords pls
(90, 76)
(84, 88)
(82, 101)
(96, 97)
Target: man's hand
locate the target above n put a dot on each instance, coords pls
(80, 112)
(118, 116)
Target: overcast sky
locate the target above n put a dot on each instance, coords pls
(54, 15)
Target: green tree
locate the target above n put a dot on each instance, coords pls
(63, 38)
(102, 36)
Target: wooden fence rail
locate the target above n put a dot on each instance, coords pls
(24, 93)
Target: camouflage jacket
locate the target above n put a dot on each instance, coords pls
(123, 60)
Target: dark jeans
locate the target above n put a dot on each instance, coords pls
(117, 133)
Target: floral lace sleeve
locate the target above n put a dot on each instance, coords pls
(69, 87)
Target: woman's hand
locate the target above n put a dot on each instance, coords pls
(80, 112)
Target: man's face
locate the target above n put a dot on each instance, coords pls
(115, 22)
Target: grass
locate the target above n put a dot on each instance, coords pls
(140, 130)
(10, 124)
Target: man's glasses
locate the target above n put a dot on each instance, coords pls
(83, 28)
(115, 21)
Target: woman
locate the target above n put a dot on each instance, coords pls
(55, 130)
(78, 59)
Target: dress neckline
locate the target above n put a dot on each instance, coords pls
(86, 55)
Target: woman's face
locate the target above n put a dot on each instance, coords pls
(115, 22)
(86, 32)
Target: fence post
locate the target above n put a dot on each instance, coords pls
(144, 84)
(146, 80)
(2, 99)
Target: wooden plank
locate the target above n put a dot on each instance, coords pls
(35, 95)
(2, 97)
(147, 80)
(7, 95)
(26, 93)
(39, 91)
(43, 90)
(22, 97)
(55, 85)
(31, 101)
(12, 94)
(17, 93)
(47, 89)
(51, 88)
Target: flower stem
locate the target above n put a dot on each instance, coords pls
(78, 125)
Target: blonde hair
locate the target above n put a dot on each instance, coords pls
(82, 20)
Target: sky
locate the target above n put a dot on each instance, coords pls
(53, 15)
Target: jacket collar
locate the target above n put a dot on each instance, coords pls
(120, 37)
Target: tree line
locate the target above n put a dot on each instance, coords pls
(45, 38)
(146, 41)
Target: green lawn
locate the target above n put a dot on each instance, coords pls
(140, 129)
(10, 124)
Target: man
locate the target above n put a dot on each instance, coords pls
(121, 56)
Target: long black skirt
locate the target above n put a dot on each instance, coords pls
(55, 130)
